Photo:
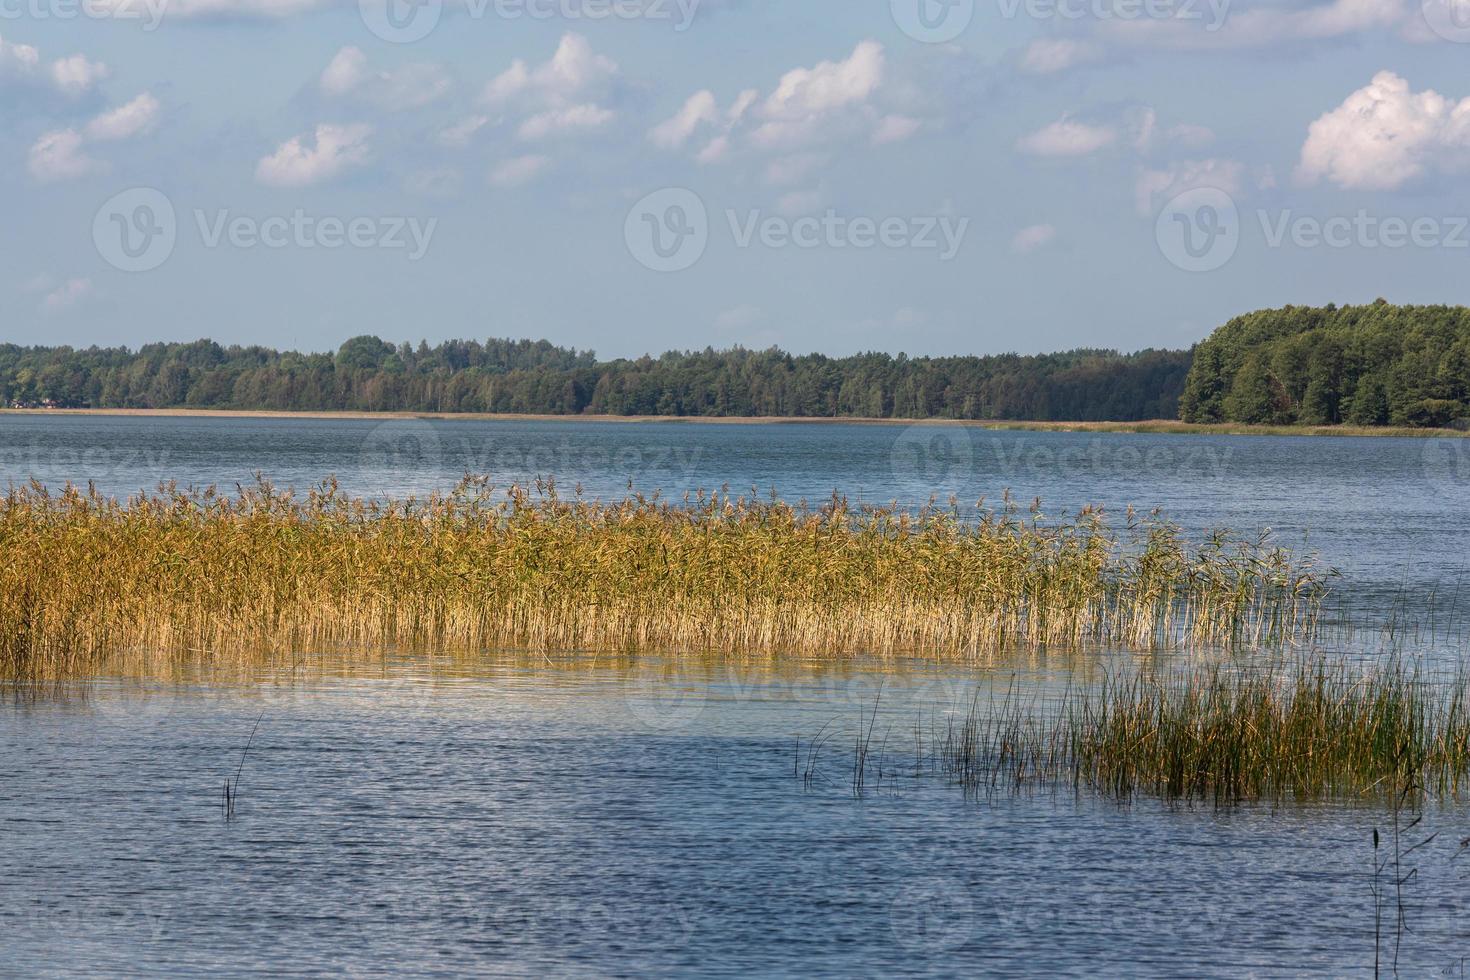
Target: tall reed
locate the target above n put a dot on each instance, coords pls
(1311, 731)
(207, 575)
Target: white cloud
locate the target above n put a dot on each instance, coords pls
(809, 115)
(60, 155)
(409, 87)
(18, 59)
(564, 120)
(809, 103)
(126, 121)
(1156, 186)
(75, 75)
(1047, 56)
(518, 170)
(72, 76)
(463, 131)
(562, 96)
(66, 296)
(440, 182)
(294, 164)
(573, 71)
(1066, 138)
(895, 129)
(1032, 237)
(1385, 135)
(346, 71)
(674, 132)
(807, 92)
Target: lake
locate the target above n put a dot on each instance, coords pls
(521, 815)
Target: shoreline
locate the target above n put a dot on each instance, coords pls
(1149, 427)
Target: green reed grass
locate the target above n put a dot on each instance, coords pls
(1310, 731)
(205, 576)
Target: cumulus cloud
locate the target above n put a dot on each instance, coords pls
(126, 121)
(674, 132)
(60, 155)
(66, 296)
(518, 170)
(463, 131)
(810, 110)
(1067, 138)
(1032, 237)
(72, 76)
(1385, 135)
(409, 87)
(1156, 186)
(563, 95)
(296, 164)
(76, 75)
(1046, 56)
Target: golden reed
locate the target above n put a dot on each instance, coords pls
(201, 576)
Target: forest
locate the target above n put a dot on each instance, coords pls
(535, 377)
(1373, 365)
(1378, 364)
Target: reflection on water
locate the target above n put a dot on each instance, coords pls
(631, 822)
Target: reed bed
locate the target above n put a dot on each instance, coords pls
(1308, 732)
(206, 576)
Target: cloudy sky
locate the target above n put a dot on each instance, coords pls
(931, 176)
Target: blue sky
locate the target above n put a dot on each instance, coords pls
(832, 175)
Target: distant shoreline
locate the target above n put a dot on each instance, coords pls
(1154, 426)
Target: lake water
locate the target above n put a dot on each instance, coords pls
(630, 820)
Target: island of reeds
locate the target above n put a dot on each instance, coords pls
(201, 575)
(1310, 729)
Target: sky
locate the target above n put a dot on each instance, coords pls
(629, 176)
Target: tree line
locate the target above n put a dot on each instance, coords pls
(1378, 364)
(536, 377)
